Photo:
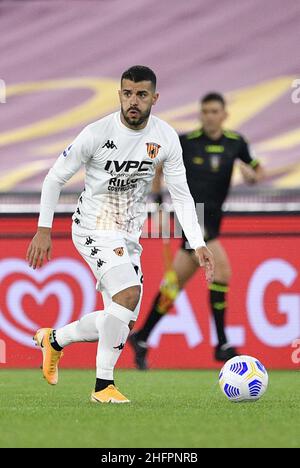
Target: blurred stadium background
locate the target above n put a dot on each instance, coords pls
(60, 62)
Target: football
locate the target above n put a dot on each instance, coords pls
(243, 378)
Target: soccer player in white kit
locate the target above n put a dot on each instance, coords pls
(120, 153)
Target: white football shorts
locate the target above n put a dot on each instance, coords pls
(114, 260)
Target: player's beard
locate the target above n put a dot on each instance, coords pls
(137, 122)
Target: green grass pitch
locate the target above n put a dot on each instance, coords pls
(168, 409)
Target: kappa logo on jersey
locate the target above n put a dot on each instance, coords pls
(66, 151)
(109, 144)
(152, 149)
(119, 251)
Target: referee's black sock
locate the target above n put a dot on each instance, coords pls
(218, 307)
(153, 318)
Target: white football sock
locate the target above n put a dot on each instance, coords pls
(84, 329)
(113, 332)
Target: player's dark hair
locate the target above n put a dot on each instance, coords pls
(213, 96)
(139, 73)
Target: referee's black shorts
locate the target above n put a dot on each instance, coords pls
(212, 226)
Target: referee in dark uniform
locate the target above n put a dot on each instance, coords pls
(209, 156)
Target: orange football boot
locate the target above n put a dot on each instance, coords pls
(51, 357)
(109, 395)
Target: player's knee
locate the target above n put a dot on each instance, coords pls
(129, 298)
(133, 297)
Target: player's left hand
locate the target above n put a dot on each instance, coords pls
(206, 261)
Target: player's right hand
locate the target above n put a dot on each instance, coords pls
(39, 248)
(206, 261)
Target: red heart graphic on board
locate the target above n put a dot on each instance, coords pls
(18, 323)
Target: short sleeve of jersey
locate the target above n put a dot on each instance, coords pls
(173, 166)
(76, 154)
(245, 153)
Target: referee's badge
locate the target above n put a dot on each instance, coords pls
(152, 150)
(215, 162)
(119, 251)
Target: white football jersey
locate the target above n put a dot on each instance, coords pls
(120, 165)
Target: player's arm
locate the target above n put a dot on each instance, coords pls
(67, 164)
(156, 191)
(184, 206)
(252, 175)
(251, 169)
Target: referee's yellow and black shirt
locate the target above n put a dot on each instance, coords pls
(209, 164)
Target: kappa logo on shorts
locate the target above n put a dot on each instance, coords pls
(94, 251)
(100, 263)
(119, 251)
(152, 149)
(120, 347)
(89, 240)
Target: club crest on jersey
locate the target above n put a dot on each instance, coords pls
(119, 251)
(152, 149)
